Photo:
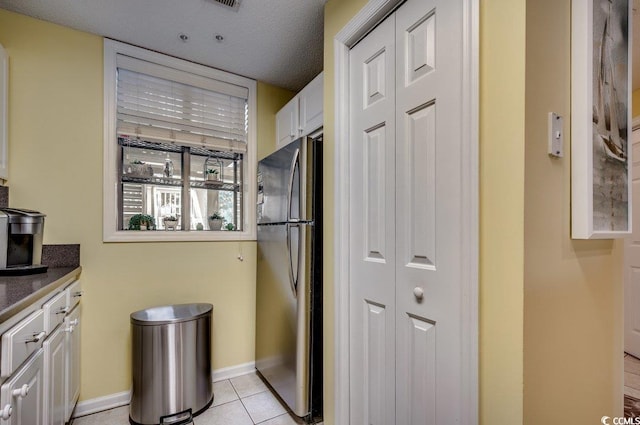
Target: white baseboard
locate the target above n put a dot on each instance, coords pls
(95, 405)
(233, 371)
(99, 404)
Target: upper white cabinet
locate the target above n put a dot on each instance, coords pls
(302, 115)
(4, 120)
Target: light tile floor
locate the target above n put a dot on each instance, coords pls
(244, 400)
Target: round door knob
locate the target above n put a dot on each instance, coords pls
(418, 292)
(5, 413)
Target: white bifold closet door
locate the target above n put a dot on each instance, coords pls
(405, 186)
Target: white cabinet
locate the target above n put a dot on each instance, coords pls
(302, 115)
(62, 355)
(287, 123)
(41, 361)
(72, 361)
(20, 341)
(54, 377)
(310, 106)
(21, 397)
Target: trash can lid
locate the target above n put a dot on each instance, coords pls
(170, 314)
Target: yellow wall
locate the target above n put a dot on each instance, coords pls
(270, 100)
(635, 103)
(502, 67)
(573, 324)
(55, 135)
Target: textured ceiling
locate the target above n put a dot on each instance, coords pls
(276, 41)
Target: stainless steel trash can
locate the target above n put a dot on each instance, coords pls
(171, 363)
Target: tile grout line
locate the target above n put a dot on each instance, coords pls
(242, 402)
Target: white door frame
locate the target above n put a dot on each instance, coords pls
(370, 15)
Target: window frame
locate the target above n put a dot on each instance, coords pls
(110, 154)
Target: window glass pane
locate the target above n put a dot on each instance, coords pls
(218, 191)
(138, 162)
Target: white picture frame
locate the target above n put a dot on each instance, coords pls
(600, 118)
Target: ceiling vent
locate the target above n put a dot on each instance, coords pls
(231, 4)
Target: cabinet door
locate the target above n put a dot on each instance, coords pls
(72, 354)
(287, 123)
(311, 98)
(54, 378)
(22, 397)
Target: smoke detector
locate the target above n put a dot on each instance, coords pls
(231, 4)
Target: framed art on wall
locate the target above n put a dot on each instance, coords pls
(601, 119)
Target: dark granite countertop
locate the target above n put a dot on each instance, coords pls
(18, 292)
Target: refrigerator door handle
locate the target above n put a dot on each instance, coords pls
(294, 165)
(293, 279)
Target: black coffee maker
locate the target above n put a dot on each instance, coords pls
(21, 234)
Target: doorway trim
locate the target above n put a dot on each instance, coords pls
(363, 22)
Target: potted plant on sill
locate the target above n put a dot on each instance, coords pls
(170, 222)
(212, 175)
(141, 222)
(215, 221)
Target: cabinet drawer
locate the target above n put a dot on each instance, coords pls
(74, 293)
(54, 311)
(20, 341)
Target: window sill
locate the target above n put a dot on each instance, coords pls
(177, 236)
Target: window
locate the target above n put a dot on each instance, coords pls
(179, 144)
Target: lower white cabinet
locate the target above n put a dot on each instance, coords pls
(43, 382)
(54, 377)
(72, 361)
(21, 397)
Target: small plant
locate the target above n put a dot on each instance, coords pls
(138, 220)
(230, 226)
(137, 162)
(215, 216)
(170, 218)
(212, 171)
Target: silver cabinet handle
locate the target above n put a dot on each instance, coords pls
(77, 294)
(74, 322)
(5, 413)
(36, 337)
(70, 329)
(21, 392)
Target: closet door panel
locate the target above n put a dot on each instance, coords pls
(372, 229)
(428, 140)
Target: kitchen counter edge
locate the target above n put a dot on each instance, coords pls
(61, 276)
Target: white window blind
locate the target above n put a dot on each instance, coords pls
(162, 103)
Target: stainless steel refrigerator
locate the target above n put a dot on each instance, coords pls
(289, 275)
